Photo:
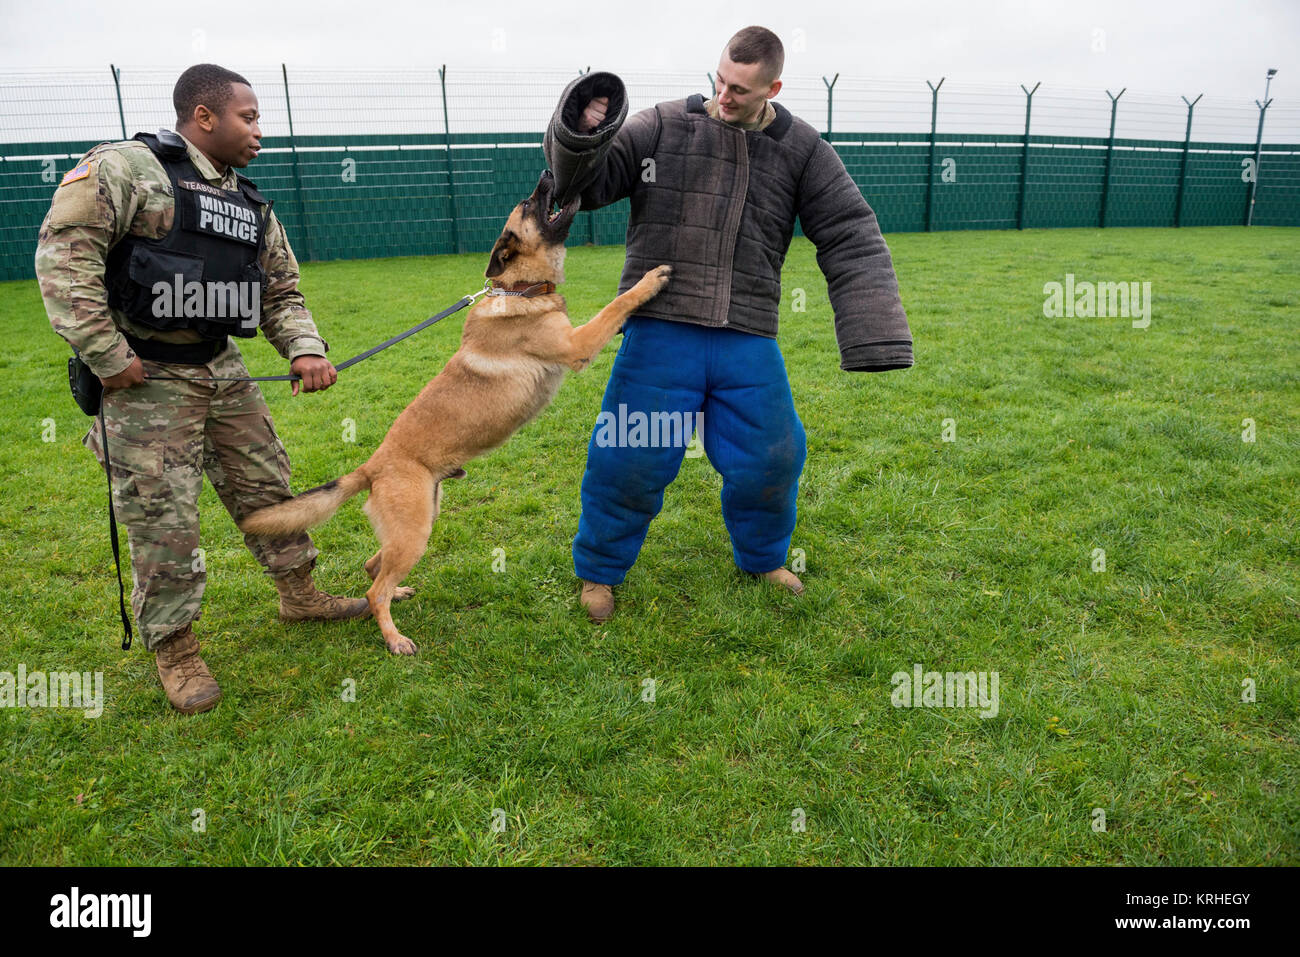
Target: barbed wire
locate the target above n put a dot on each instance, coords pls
(59, 106)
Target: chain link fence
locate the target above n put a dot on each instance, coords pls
(395, 163)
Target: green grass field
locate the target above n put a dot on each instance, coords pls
(1120, 690)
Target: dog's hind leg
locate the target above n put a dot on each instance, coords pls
(402, 507)
(372, 569)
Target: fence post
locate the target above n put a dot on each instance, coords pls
(1254, 180)
(451, 177)
(830, 95)
(1182, 169)
(1024, 158)
(297, 175)
(929, 179)
(117, 85)
(1110, 152)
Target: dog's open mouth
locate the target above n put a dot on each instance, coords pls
(567, 211)
(560, 217)
(551, 216)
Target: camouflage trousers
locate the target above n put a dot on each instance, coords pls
(163, 436)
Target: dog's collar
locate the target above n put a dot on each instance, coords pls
(525, 289)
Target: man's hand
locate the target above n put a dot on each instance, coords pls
(593, 115)
(131, 375)
(317, 373)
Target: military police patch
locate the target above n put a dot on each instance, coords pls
(76, 173)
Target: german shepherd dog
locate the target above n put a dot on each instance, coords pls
(513, 354)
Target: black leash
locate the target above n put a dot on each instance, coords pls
(467, 300)
(112, 534)
(88, 393)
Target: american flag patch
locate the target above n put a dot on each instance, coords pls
(76, 173)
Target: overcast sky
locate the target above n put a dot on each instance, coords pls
(1159, 46)
(1170, 46)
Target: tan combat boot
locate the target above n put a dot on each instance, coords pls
(301, 601)
(598, 600)
(785, 578)
(189, 685)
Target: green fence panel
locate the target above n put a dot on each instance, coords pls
(985, 189)
(1215, 192)
(1064, 186)
(366, 196)
(892, 178)
(1144, 186)
(1277, 199)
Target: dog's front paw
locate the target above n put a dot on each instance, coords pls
(401, 645)
(655, 280)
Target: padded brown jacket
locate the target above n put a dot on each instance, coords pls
(718, 203)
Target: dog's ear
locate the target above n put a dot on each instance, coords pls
(505, 247)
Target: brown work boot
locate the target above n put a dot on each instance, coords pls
(189, 685)
(785, 578)
(598, 600)
(301, 601)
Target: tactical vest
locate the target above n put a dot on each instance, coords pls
(204, 274)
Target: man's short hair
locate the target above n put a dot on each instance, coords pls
(204, 84)
(758, 45)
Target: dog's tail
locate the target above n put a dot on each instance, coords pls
(309, 509)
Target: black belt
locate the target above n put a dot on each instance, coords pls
(180, 353)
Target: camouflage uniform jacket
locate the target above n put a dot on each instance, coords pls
(123, 190)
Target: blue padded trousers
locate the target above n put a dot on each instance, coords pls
(749, 429)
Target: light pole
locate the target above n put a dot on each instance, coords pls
(1259, 139)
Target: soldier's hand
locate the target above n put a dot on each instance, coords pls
(593, 115)
(317, 373)
(131, 375)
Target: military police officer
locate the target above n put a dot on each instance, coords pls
(154, 253)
